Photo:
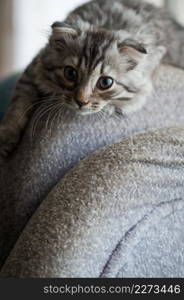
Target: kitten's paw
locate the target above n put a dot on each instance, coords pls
(8, 141)
(134, 105)
(139, 100)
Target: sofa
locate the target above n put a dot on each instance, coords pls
(98, 197)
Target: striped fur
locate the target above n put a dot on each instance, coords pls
(123, 39)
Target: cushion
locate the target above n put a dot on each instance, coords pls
(119, 213)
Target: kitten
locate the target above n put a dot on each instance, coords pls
(103, 55)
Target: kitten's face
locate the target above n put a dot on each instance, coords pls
(87, 71)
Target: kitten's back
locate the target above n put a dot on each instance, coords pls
(143, 21)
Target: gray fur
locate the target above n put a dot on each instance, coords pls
(125, 40)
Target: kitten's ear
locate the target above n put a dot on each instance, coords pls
(60, 30)
(133, 49)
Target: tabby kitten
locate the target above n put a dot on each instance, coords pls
(103, 55)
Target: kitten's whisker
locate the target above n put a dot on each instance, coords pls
(119, 115)
(35, 122)
(43, 103)
(39, 114)
(51, 111)
(60, 114)
(47, 121)
(32, 105)
(26, 111)
(53, 115)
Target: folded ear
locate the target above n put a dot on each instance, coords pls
(61, 27)
(62, 30)
(133, 50)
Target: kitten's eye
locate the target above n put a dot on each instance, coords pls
(70, 73)
(105, 82)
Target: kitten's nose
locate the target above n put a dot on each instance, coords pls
(81, 103)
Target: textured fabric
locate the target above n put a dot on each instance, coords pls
(39, 164)
(162, 245)
(118, 213)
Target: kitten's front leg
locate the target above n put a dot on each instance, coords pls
(8, 140)
(17, 115)
(11, 127)
(139, 100)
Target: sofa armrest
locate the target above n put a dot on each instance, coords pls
(105, 218)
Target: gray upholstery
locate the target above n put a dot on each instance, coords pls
(118, 213)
